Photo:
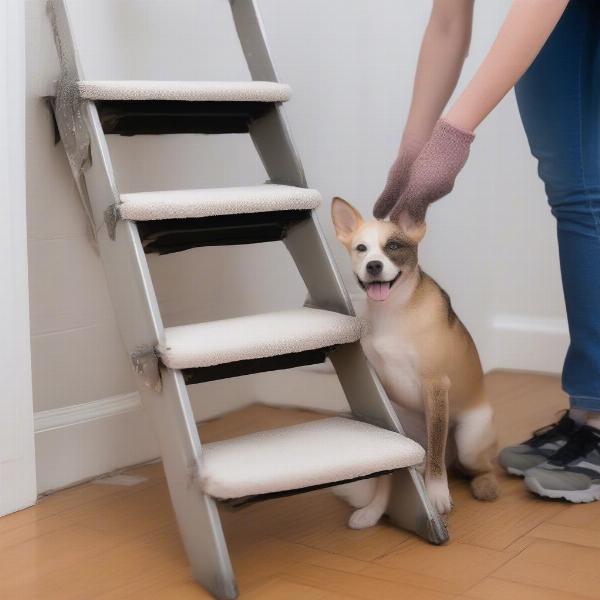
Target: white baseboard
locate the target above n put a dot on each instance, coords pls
(529, 343)
(85, 440)
(58, 418)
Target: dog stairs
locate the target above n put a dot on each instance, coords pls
(336, 449)
(127, 227)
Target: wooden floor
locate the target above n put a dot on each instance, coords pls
(106, 541)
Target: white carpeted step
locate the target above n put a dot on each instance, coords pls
(191, 91)
(301, 456)
(256, 336)
(185, 204)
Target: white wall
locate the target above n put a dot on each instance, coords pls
(350, 64)
(17, 461)
(492, 242)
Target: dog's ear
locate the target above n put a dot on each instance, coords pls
(346, 220)
(413, 229)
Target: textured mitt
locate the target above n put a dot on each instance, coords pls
(433, 172)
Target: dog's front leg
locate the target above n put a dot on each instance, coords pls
(437, 415)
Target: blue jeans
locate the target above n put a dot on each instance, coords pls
(559, 102)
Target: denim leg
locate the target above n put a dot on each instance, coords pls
(559, 103)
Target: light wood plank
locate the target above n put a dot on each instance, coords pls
(444, 564)
(498, 589)
(579, 515)
(557, 566)
(581, 536)
(276, 589)
(360, 586)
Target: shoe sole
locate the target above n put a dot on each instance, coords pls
(576, 496)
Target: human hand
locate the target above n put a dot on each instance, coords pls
(433, 172)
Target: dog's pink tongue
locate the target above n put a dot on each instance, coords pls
(378, 291)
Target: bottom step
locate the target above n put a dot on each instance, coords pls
(302, 456)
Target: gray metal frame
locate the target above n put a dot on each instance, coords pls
(163, 391)
(168, 404)
(141, 329)
(67, 107)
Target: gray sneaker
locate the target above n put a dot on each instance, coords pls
(538, 449)
(572, 473)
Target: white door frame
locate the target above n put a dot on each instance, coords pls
(17, 454)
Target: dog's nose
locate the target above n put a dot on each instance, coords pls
(374, 267)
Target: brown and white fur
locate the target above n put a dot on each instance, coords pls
(424, 357)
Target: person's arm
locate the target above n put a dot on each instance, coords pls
(443, 50)
(526, 28)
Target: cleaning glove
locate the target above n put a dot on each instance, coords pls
(432, 173)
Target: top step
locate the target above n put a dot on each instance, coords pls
(162, 107)
(188, 91)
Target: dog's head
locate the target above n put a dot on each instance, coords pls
(384, 254)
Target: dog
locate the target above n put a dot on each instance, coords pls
(424, 357)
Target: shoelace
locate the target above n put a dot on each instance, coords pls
(580, 444)
(541, 436)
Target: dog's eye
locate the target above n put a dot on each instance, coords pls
(361, 248)
(392, 246)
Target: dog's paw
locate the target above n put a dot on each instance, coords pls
(363, 518)
(485, 487)
(439, 494)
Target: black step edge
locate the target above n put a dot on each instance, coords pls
(157, 117)
(176, 235)
(256, 365)
(237, 503)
